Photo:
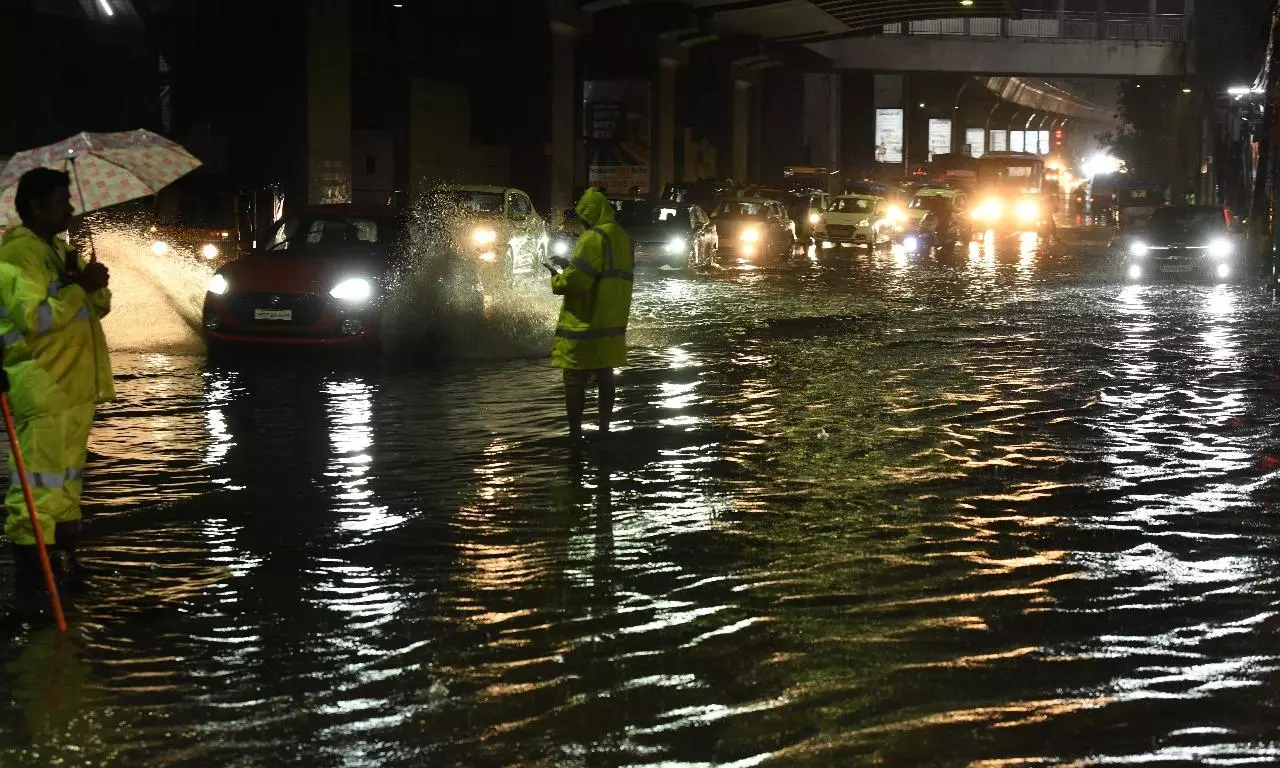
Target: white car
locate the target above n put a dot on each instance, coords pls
(858, 219)
(495, 225)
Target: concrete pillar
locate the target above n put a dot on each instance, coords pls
(1102, 20)
(740, 115)
(822, 111)
(665, 128)
(328, 102)
(564, 110)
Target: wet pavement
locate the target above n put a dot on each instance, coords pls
(1006, 511)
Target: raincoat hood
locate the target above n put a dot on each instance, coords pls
(594, 208)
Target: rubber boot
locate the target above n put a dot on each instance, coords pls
(30, 595)
(71, 573)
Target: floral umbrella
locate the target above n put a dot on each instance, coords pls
(106, 168)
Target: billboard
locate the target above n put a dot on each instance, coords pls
(999, 141)
(1017, 141)
(617, 119)
(939, 137)
(974, 138)
(888, 135)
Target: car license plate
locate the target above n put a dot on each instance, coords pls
(1175, 268)
(273, 314)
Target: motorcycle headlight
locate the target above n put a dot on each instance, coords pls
(560, 248)
(1028, 211)
(1139, 248)
(677, 245)
(910, 244)
(159, 247)
(895, 214)
(814, 218)
(209, 251)
(750, 235)
(218, 285)
(1220, 248)
(484, 237)
(354, 289)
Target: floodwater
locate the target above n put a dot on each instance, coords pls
(1007, 511)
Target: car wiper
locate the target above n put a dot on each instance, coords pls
(277, 246)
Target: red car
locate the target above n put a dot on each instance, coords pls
(317, 278)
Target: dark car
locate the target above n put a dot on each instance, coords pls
(1184, 240)
(751, 229)
(703, 193)
(948, 219)
(804, 206)
(919, 237)
(317, 278)
(670, 234)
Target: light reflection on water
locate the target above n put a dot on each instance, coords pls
(863, 509)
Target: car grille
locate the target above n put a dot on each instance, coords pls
(306, 308)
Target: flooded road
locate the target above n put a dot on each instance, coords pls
(861, 511)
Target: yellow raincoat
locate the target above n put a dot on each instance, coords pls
(591, 332)
(56, 358)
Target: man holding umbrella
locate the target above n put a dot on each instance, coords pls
(55, 356)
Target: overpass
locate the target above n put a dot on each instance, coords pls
(1038, 44)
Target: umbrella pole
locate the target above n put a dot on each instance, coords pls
(93, 251)
(45, 565)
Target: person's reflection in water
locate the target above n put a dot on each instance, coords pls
(50, 682)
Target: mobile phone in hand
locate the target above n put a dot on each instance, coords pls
(551, 268)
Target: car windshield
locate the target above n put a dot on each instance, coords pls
(647, 214)
(931, 203)
(740, 208)
(328, 232)
(854, 204)
(466, 200)
(1187, 222)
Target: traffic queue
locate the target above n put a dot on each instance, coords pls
(320, 275)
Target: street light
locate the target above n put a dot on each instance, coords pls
(106, 7)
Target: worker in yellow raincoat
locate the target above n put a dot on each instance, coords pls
(591, 333)
(55, 357)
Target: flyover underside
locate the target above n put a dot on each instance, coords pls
(1008, 56)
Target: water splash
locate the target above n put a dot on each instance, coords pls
(441, 306)
(157, 300)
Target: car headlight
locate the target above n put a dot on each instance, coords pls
(864, 223)
(677, 245)
(910, 244)
(484, 237)
(560, 248)
(990, 209)
(1220, 248)
(750, 235)
(1139, 248)
(209, 251)
(814, 218)
(218, 285)
(353, 289)
(1028, 211)
(159, 247)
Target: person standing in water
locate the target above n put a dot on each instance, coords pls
(55, 356)
(591, 332)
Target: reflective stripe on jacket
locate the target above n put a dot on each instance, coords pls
(54, 349)
(591, 331)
